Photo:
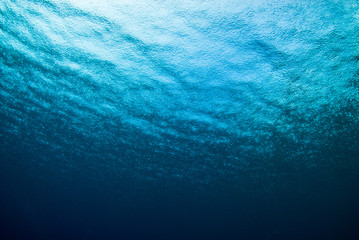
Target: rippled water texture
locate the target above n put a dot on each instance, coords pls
(196, 119)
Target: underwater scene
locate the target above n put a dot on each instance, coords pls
(163, 119)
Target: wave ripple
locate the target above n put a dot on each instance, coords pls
(237, 80)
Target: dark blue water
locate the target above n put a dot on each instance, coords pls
(164, 119)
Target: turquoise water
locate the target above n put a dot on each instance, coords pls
(179, 119)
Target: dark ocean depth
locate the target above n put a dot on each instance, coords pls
(164, 119)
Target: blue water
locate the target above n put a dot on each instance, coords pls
(163, 119)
